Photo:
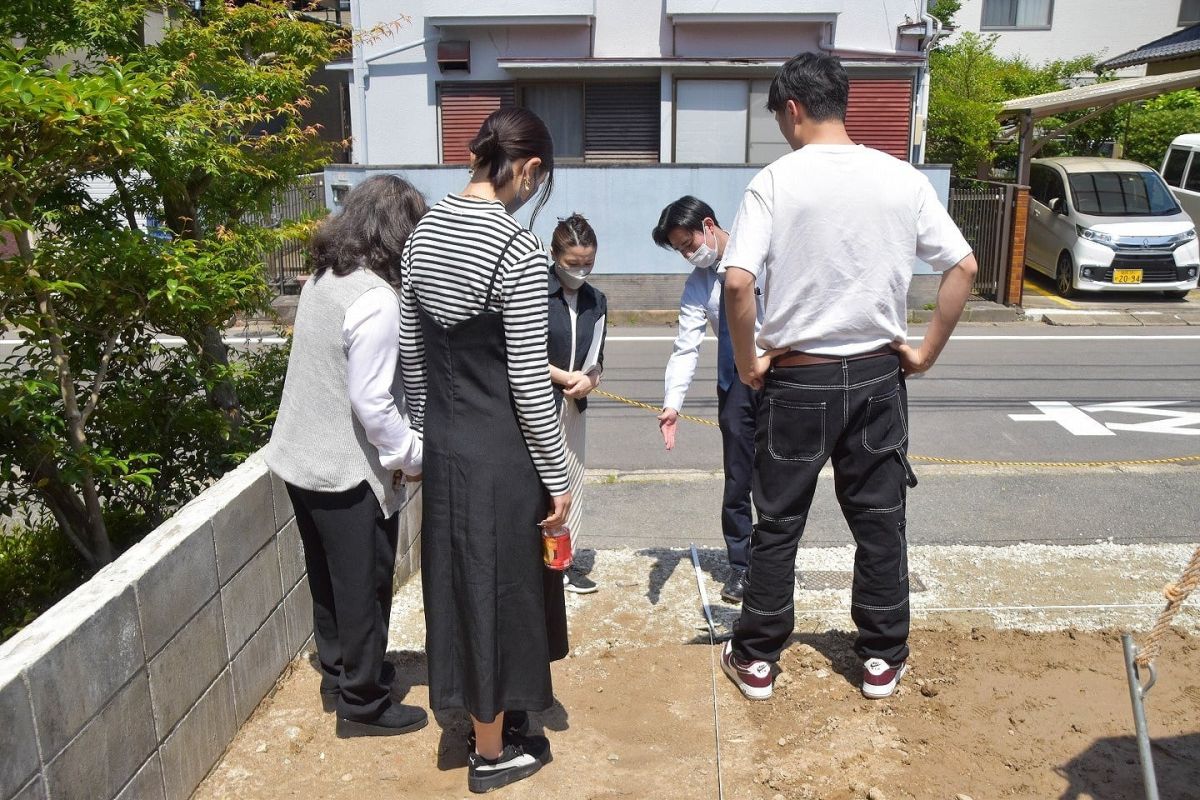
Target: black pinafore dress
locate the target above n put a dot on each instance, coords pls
(495, 617)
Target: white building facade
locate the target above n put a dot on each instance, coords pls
(627, 81)
(1046, 30)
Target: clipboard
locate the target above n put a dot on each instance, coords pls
(593, 356)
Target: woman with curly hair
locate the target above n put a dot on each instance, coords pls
(342, 446)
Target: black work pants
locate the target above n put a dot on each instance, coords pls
(855, 413)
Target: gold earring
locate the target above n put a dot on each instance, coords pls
(525, 186)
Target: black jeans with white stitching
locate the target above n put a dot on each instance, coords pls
(855, 414)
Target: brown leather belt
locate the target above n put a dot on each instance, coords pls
(795, 358)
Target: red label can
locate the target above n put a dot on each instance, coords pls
(556, 547)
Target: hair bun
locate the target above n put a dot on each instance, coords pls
(485, 144)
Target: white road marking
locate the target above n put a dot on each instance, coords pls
(1065, 414)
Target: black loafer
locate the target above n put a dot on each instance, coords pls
(734, 587)
(329, 699)
(396, 719)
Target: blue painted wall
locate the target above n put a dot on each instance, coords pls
(622, 202)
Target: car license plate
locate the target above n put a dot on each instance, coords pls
(1127, 276)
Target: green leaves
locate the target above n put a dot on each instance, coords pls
(190, 138)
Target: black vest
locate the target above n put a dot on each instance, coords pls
(590, 305)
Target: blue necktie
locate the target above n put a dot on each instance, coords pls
(726, 368)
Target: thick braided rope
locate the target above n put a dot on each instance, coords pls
(1175, 593)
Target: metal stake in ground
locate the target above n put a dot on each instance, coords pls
(1135, 658)
(712, 666)
(1137, 693)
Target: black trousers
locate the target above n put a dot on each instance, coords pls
(736, 411)
(855, 413)
(350, 552)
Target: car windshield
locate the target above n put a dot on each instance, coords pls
(1121, 194)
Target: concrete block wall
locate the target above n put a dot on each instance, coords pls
(133, 685)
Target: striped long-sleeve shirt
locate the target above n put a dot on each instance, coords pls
(446, 267)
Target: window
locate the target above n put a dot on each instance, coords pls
(726, 121)
(1173, 169)
(1189, 12)
(766, 142)
(588, 121)
(1055, 190)
(621, 122)
(463, 107)
(561, 107)
(1039, 183)
(1115, 194)
(1192, 184)
(1032, 14)
(710, 121)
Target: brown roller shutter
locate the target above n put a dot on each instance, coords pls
(879, 114)
(464, 107)
(621, 122)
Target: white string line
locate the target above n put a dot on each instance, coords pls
(712, 666)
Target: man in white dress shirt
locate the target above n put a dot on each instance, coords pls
(690, 227)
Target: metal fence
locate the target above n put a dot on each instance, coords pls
(290, 260)
(983, 211)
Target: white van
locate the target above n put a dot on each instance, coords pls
(1102, 225)
(1181, 171)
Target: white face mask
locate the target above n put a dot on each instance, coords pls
(705, 256)
(572, 277)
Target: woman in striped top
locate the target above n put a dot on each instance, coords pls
(473, 323)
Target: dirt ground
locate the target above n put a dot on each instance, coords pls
(984, 712)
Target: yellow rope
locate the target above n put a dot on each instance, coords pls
(935, 459)
(1175, 593)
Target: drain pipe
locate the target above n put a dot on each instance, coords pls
(403, 47)
(826, 44)
(933, 30)
(362, 81)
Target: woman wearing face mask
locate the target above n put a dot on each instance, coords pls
(477, 378)
(577, 318)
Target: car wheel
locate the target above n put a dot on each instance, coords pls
(1065, 276)
(1176, 294)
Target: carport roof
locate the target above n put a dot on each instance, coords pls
(1107, 93)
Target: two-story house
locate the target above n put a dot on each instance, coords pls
(677, 81)
(646, 101)
(1045, 30)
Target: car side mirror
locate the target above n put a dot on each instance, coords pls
(1055, 205)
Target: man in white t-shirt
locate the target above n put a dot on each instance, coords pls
(830, 232)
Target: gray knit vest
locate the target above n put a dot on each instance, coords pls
(317, 442)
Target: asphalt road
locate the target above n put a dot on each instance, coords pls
(961, 410)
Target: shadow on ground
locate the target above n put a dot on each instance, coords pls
(1109, 769)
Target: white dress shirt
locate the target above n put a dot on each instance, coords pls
(371, 337)
(699, 309)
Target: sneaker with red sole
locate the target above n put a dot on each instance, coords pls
(753, 678)
(880, 677)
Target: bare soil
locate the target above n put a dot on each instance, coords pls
(983, 713)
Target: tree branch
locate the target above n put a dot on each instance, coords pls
(110, 344)
(126, 201)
